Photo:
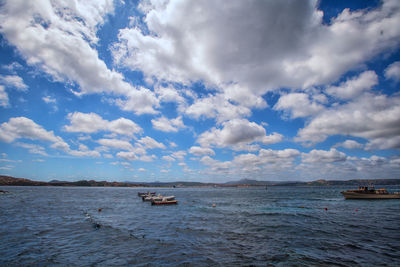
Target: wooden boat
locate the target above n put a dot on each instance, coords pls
(164, 202)
(369, 193)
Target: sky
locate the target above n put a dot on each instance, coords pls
(208, 91)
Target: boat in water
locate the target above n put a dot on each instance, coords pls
(158, 198)
(164, 201)
(365, 192)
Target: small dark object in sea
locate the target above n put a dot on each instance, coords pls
(100, 209)
(96, 225)
(4, 192)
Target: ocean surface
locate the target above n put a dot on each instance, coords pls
(281, 226)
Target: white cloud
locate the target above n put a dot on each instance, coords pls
(373, 117)
(350, 144)
(237, 132)
(21, 127)
(218, 107)
(140, 101)
(315, 156)
(56, 35)
(298, 105)
(127, 155)
(355, 86)
(34, 149)
(24, 128)
(170, 94)
(179, 155)
(150, 143)
(92, 123)
(49, 100)
(393, 71)
(267, 164)
(168, 158)
(13, 81)
(201, 151)
(182, 46)
(3, 98)
(116, 143)
(166, 125)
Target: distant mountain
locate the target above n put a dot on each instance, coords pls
(8, 180)
(250, 182)
(320, 182)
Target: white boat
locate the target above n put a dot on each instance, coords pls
(158, 198)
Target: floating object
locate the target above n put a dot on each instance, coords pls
(4, 192)
(369, 193)
(141, 194)
(164, 202)
(100, 209)
(158, 198)
(213, 205)
(325, 208)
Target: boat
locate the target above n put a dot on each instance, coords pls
(164, 201)
(158, 198)
(141, 194)
(365, 192)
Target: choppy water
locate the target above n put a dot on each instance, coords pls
(281, 226)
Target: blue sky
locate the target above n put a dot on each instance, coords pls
(209, 91)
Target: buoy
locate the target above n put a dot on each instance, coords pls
(99, 210)
(213, 205)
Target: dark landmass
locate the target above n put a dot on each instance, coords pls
(11, 181)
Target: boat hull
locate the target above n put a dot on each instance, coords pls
(355, 195)
(169, 202)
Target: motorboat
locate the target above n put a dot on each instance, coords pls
(158, 198)
(141, 194)
(365, 192)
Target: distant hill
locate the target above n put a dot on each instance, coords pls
(320, 182)
(8, 180)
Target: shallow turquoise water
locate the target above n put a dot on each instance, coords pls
(281, 226)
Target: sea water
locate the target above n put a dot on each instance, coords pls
(280, 226)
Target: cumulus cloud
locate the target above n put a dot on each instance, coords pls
(189, 41)
(168, 125)
(316, 156)
(237, 132)
(373, 117)
(92, 123)
(24, 128)
(13, 81)
(4, 102)
(32, 148)
(218, 107)
(355, 86)
(116, 144)
(267, 164)
(350, 144)
(150, 143)
(201, 151)
(140, 101)
(130, 156)
(393, 71)
(298, 105)
(57, 35)
(21, 127)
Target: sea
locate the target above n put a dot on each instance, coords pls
(278, 226)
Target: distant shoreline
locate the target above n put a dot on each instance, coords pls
(12, 181)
